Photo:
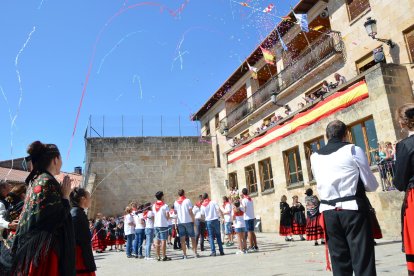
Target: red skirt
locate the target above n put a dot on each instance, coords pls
(314, 230)
(110, 241)
(285, 230)
(120, 241)
(408, 231)
(97, 243)
(80, 263)
(298, 229)
(46, 267)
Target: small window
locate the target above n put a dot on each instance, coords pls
(366, 62)
(310, 147)
(364, 135)
(409, 41)
(206, 131)
(217, 121)
(356, 7)
(251, 181)
(233, 183)
(293, 167)
(245, 135)
(266, 175)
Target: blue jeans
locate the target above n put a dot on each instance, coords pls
(149, 234)
(130, 238)
(139, 238)
(213, 228)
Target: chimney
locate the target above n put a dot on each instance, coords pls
(78, 170)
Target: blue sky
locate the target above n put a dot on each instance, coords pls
(136, 71)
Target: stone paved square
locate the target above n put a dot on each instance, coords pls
(275, 257)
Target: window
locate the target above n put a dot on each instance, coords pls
(217, 121)
(310, 147)
(293, 168)
(409, 41)
(364, 135)
(366, 62)
(251, 179)
(206, 131)
(357, 7)
(266, 175)
(233, 183)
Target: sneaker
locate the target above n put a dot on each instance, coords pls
(141, 257)
(287, 239)
(129, 256)
(185, 257)
(240, 252)
(197, 255)
(316, 243)
(221, 253)
(166, 259)
(149, 258)
(231, 243)
(251, 250)
(302, 239)
(245, 251)
(133, 255)
(256, 248)
(213, 254)
(158, 258)
(227, 244)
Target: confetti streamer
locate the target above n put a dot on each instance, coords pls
(317, 28)
(269, 8)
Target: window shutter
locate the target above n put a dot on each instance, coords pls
(410, 44)
(356, 7)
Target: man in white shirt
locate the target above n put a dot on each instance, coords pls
(211, 212)
(129, 230)
(228, 221)
(342, 174)
(200, 223)
(185, 218)
(161, 216)
(247, 203)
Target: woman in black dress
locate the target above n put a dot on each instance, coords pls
(285, 228)
(85, 263)
(404, 180)
(299, 219)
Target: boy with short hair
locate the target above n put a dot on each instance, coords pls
(249, 219)
(161, 216)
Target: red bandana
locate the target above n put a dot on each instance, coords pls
(158, 205)
(248, 197)
(181, 199)
(238, 213)
(206, 202)
(145, 214)
(198, 204)
(225, 204)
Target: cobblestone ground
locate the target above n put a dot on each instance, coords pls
(275, 257)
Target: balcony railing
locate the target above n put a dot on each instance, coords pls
(320, 50)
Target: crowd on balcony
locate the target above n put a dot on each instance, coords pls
(275, 119)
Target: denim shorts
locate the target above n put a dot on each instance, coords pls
(240, 230)
(161, 233)
(227, 228)
(186, 230)
(250, 225)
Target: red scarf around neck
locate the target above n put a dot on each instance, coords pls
(146, 214)
(206, 202)
(248, 197)
(239, 213)
(181, 199)
(198, 204)
(225, 204)
(158, 205)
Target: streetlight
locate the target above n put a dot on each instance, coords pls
(371, 28)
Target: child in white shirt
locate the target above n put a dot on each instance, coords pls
(240, 226)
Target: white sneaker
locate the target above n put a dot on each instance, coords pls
(239, 252)
(149, 258)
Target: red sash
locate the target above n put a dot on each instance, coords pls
(181, 199)
(248, 197)
(238, 213)
(206, 202)
(158, 205)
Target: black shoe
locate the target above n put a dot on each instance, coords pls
(322, 242)
(316, 243)
(256, 247)
(166, 259)
(221, 253)
(202, 249)
(129, 256)
(213, 254)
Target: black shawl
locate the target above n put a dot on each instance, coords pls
(285, 215)
(45, 225)
(83, 238)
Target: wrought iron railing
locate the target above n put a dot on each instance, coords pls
(322, 49)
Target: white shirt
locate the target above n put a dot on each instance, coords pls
(129, 229)
(248, 206)
(173, 217)
(197, 212)
(149, 221)
(3, 223)
(238, 220)
(227, 209)
(183, 211)
(139, 221)
(337, 175)
(160, 217)
(211, 211)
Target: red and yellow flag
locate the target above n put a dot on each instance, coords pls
(268, 56)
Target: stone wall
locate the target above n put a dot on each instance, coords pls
(120, 170)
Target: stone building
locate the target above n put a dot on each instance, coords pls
(121, 170)
(264, 145)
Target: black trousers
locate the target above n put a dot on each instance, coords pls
(350, 243)
(200, 231)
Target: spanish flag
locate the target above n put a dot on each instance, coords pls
(268, 56)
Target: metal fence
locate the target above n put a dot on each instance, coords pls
(132, 126)
(386, 170)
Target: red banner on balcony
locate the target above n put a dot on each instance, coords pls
(323, 109)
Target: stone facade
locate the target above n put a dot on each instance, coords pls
(389, 86)
(121, 170)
